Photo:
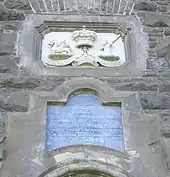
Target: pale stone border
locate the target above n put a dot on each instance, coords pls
(30, 42)
(139, 130)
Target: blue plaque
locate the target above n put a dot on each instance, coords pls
(84, 121)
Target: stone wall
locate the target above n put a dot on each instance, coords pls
(152, 87)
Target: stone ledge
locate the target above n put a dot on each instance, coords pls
(50, 83)
(160, 73)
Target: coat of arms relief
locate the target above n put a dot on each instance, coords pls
(83, 48)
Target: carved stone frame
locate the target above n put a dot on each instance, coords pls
(37, 26)
(135, 124)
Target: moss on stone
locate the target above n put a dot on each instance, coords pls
(84, 90)
(59, 57)
(110, 58)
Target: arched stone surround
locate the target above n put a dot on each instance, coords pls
(139, 153)
(86, 166)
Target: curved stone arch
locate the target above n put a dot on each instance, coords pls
(70, 159)
(95, 86)
(91, 151)
(85, 166)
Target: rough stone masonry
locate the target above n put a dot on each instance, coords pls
(18, 85)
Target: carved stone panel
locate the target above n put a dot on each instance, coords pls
(83, 48)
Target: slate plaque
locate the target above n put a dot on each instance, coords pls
(84, 121)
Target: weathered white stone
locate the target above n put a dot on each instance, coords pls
(81, 47)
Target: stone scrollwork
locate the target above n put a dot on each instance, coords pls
(85, 48)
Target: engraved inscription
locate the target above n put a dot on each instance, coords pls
(84, 121)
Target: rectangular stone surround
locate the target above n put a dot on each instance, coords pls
(37, 26)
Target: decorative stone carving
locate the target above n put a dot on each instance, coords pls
(83, 48)
(60, 48)
(59, 51)
(84, 37)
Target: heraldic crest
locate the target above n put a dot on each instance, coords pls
(85, 48)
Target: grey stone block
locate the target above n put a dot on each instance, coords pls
(153, 30)
(164, 87)
(160, 63)
(10, 26)
(156, 20)
(164, 51)
(20, 82)
(167, 32)
(140, 86)
(146, 6)
(8, 37)
(7, 15)
(18, 98)
(50, 83)
(8, 107)
(25, 82)
(6, 48)
(15, 102)
(166, 131)
(135, 86)
(8, 64)
(158, 35)
(17, 4)
(158, 24)
(152, 44)
(155, 100)
(152, 55)
(162, 2)
(162, 8)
